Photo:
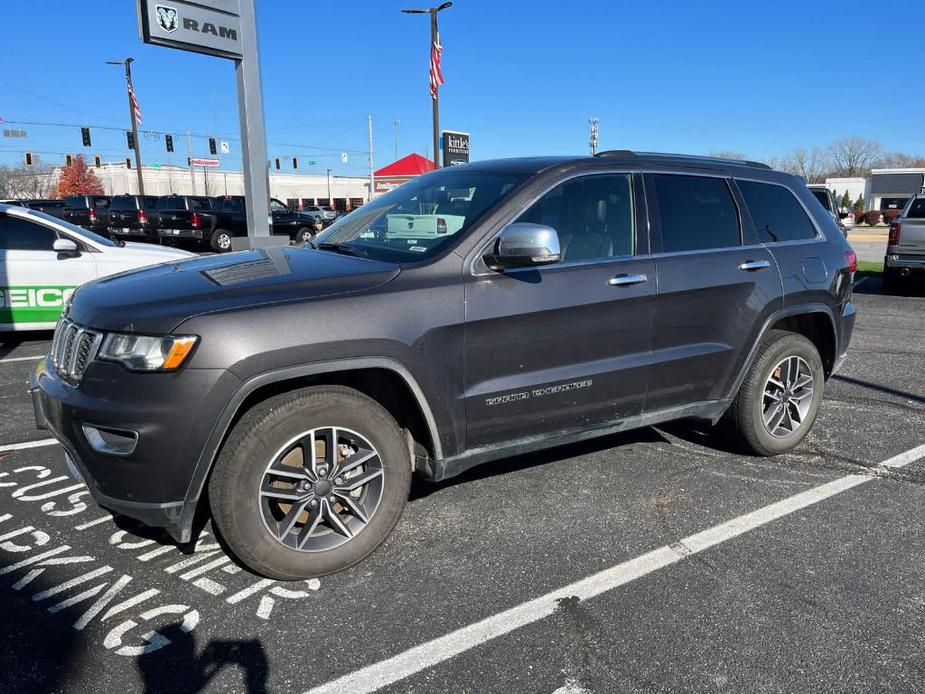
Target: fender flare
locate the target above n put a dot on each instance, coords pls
(786, 312)
(223, 423)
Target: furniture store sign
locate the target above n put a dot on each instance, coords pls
(455, 148)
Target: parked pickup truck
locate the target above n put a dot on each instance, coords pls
(184, 217)
(231, 221)
(88, 211)
(133, 217)
(827, 199)
(905, 250)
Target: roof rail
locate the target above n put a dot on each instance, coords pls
(683, 157)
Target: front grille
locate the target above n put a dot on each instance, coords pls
(73, 348)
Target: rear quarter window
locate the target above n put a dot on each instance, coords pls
(916, 209)
(777, 214)
(696, 213)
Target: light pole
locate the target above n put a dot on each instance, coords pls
(330, 202)
(395, 124)
(131, 109)
(436, 87)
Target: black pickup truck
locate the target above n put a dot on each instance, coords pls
(185, 218)
(133, 217)
(231, 220)
(88, 211)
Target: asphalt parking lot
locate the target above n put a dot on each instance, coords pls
(652, 561)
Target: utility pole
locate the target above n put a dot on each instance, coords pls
(330, 201)
(370, 122)
(395, 124)
(189, 151)
(434, 84)
(131, 109)
(592, 137)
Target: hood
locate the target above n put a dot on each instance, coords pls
(150, 252)
(155, 299)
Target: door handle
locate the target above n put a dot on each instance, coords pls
(626, 280)
(750, 265)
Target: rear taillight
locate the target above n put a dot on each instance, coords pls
(852, 259)
(441, 225)
(142, 217)
(91, 215)
(195, 221)
(894, 234)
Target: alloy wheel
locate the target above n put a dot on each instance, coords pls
(321, 489)
(788, 395)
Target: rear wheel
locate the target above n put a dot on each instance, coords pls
(310, 482)
(304, 235)
(779, 399)
(221, 241)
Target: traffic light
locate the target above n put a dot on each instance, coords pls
(68, 160)
(212, 149)
(277, 163)
(295, 162)
(169, 140)
(85, 136)
(28, 158)
(130, 138)
(128, 162)
(97, 161)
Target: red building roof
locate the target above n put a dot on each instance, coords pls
(412, 165)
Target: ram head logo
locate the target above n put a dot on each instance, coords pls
(167, 17)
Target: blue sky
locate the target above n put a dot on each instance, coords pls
(522, 77)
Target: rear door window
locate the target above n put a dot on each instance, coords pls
(917, 209)
(696, 212)
(777, 214)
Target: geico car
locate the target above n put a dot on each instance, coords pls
(43, 259)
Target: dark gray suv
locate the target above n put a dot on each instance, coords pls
(473, 313)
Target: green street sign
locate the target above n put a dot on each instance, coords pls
(155, 165)
(312, 162)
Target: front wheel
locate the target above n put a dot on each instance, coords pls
(310, 482)
(221, 241)
(304, 235)
(780, 397)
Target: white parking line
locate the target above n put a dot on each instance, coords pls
(12, 359)
(391, 670)
(27, 444)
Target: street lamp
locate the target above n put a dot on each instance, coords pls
(330, 202)
(436, 100)
(131, 109)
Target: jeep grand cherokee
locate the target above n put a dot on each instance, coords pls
(292, 392)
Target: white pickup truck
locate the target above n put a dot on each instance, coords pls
(905, 250)
(423, 226)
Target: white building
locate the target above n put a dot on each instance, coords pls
(297, 190)
(889, 189)
(856, 187)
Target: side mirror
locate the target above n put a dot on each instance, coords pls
(524, 244)
(65, 246)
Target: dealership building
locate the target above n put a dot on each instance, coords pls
(884, 189)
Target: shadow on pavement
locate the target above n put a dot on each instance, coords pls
(180, 670)
(873, 284)
(10, 342)
(879, 388)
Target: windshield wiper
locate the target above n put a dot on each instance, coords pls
(341, 248)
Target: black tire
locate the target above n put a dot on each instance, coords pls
(251, 447)
(891, 281)
(744, 419)
(221, 241)
(304, 235)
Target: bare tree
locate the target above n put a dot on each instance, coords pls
(727, 154)
(26, 182)
(853, 156)
(898, 160)
(813, 164)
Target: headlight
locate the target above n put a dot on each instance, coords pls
(146, 353)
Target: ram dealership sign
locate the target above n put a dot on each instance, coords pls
(213, 28)
(455, 148)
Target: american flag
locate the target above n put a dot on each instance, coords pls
(436, 72)
(135, 106)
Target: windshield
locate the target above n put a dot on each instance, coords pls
(417, 219)
(80, 232)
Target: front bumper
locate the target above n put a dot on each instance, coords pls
(173, 415)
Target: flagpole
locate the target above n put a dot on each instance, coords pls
(131, 112)
(436, 99)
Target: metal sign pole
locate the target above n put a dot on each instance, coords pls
(253, 134)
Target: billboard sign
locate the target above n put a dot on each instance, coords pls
(212, 27)
(211, 163)
(455, 148)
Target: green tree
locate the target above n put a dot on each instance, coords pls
(846, 201)
(859, 203)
